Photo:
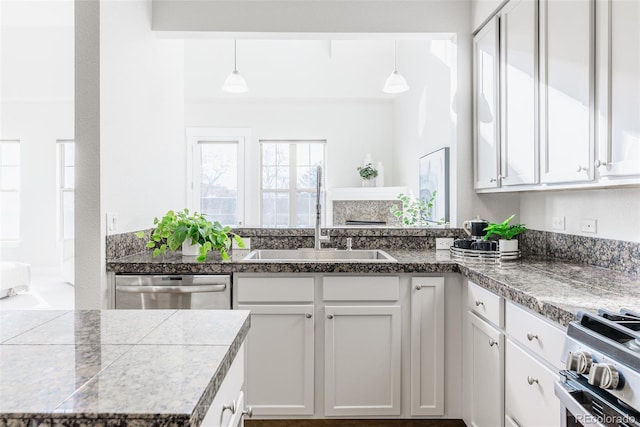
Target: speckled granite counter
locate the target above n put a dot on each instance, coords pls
(114, 367)
(555, 289)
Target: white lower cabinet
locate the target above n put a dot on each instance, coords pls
(529, 397)
(486, 374)
(362, 360)
(229, 407)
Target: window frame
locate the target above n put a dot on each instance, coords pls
(6, 242)
(196, 136)
(61, 146)
(293, 177)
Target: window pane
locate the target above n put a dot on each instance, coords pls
(9, 154)
(282, 209)
(219, 181)
(9, 177)
(9, 215)
(316, 154)
(268, 209)
(282, 155)
(68, 213)
(69, 177)
(269, 177)
(268, 154)
(282, 177)
(306, 177)
(302, 154)
(69, 154)
(306, 209)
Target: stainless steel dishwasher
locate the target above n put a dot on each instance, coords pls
(202, 292)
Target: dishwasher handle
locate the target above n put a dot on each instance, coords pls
(171, 289)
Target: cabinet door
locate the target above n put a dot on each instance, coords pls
(567, 90)
(427, 346)
(487, 370)
(529, 396)
(362, 360)
(518, 77)
(486, 136)
(618, 88)
(280, 364)
(226, 408)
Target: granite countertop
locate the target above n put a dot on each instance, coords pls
(553, 288)
(142, 367)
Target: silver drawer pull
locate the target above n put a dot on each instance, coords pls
(329, 316)
(248, 412)
(479, 303)
(492, 342)
(308, 315)
(186, 289)
(229, 407)
(531, 336)
(532, 380)
(418, 287)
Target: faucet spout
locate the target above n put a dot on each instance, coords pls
(318, 237)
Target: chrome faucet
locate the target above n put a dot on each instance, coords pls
(318, 237)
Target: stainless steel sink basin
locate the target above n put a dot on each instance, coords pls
(322, 255)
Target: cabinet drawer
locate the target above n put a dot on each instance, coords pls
(274, 289)
(486, 304)
(361, 288)
(535, 333)
(529, 390)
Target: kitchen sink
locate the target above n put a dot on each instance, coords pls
(318, 255)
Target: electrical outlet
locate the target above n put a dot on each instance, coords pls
(247, 243)
(557, 223)
(112, 222)
(588, 225)
(443, 243)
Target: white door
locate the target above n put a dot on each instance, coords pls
(529, 396)
(618, 71)
(280, 362)
(566, 90)
(487, 368)
(485, 107)
(518, 77)
(427, 346)
(362, 360)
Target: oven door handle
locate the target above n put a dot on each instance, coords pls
(573, 406)
(171, 289)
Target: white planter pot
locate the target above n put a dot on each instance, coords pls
(508, 245)
(190, 250)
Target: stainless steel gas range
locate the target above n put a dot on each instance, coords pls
(601, 385)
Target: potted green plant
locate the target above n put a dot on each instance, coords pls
(506, 232)
(192, 232)
(368, 174)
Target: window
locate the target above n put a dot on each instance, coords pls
(9, 190)
(216, 162)
(288, 182)
(66, 187)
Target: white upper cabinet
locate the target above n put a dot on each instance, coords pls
(567, 90)
(485, 107)
(618, 88)
(518, 76)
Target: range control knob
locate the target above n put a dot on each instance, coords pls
(604, 376)
(579, 362)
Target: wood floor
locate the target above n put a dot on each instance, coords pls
(354, 423)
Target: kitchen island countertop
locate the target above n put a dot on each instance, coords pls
(114, 367)
(554, 288)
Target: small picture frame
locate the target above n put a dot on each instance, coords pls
(434, 176)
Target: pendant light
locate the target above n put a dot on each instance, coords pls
(395, 82)
(235, 83)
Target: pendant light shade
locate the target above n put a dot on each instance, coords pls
(235, 83)
(395, 82)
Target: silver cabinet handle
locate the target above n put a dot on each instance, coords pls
(531, 336)
(186, 289)
(329, 316)
(418, 287)
(581, 168)
(479, 303)
(600, 163)
(229, 407)
(493, 180)
(492, 342)
(308, 315)
(532, 380)
(248, 412)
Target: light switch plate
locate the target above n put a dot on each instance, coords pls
(443, 243)
(588, 225)
(557, 223)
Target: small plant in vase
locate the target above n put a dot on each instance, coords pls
(506, 232)
(368, 174)
(185, 229)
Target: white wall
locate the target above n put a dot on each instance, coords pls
(37, 109)
(352, 129)
(142, 117)
(617, 211)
